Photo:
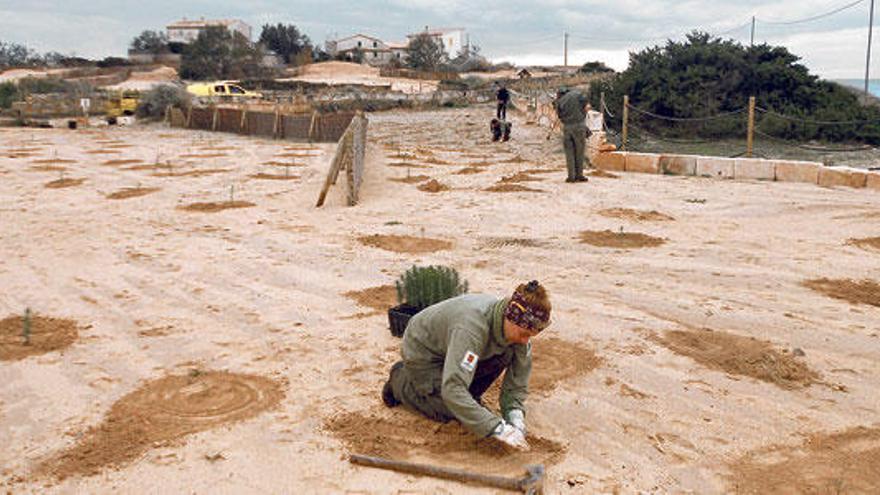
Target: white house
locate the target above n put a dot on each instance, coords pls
(373, 50)
(453, 40)
(186, 31)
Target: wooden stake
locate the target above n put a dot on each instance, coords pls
(750, 137)
(625, 127)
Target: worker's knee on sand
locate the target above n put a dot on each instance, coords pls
(421, 391)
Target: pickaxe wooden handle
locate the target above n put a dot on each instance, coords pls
(532, 483)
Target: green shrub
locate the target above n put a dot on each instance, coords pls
(44, 85)
(153, 103)
(422, 286)
(8, 94)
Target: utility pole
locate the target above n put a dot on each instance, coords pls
(752, 42)
(565, 48)
(868, 61)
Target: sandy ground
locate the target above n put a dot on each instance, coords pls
(337, 73)
(147, 80)
(630, 393)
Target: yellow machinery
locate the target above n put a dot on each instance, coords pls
(224, 90)
(121, 103)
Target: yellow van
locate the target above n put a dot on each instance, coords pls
(221, 89)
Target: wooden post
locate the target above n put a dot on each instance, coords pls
(189, 114)
(241, 124)
(275, 123)
(750, 137)
(214, 119)
(625, 127)
(313, 125)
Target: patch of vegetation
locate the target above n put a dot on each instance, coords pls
(422, 286)
(155, 101)
(705, 76)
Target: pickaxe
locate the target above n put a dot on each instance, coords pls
(532, 483)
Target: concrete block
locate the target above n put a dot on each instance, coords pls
(794, 171)
(842, 176)
(678, 165)
(613, 161)
(873, 181)
(718, 168)
(754, 169)
(644, 163)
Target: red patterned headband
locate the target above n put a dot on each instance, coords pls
(528, 316)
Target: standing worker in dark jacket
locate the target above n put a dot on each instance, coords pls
(571, 109)
(454, 350)
(503, 97)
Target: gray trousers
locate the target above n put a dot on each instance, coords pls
(420, 388)
(574, 141)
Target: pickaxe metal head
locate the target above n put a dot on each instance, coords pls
(533, 482)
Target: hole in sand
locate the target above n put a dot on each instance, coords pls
(412, 179)
(48, 168)
(47, 335)
(53, 161)
(113, 163)
(213, 207)
(405, 244)
(636, 215)
(380, 298)
(273, 176)
(58, 184)
(132, 192)
(620, 240)
(103, 152)
(742, 356)
(192, 173)
(297, 155)
(162, 411)
(507, 187)
(853, 291)
(868, 243)
(520, 177)
(470, 170)
(843, 462)
(555, 360)
(202, 155)
(405, 435)
(283, 164)
(152, 166)
(432, 186)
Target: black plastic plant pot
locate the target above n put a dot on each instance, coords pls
(399, 316)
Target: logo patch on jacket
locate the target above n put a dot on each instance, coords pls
(469, 363)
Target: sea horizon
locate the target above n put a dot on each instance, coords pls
(873, 85)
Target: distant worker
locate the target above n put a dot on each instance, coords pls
(503, 97)
(454, 350)
(500, 130)
(571, 108)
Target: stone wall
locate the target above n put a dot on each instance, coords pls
(733, 168)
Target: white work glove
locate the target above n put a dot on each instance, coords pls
(517, 419)
(510, 435)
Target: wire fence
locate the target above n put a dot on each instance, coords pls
(750, 131)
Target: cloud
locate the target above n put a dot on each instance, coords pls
(519, 30)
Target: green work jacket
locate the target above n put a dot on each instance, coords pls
(452, 337)
(570, 108)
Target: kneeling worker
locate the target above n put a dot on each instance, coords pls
(454, 350)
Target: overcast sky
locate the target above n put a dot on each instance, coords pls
(520, 31)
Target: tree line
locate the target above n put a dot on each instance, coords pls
(704, 77)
